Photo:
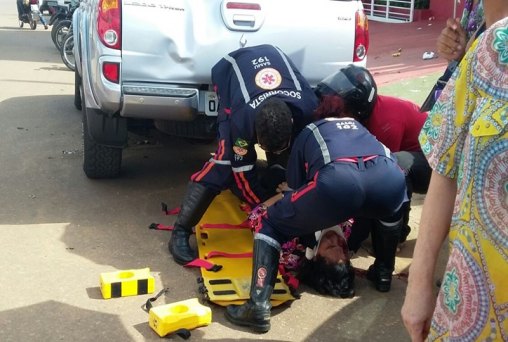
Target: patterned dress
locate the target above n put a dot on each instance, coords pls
(466, 138)
(472, 17)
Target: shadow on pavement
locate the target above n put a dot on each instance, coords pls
(196, 335)
(365, 319)
(36, 323)
(94, 292)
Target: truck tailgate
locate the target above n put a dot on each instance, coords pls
(183, 39)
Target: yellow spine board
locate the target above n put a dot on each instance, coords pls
(230, 285)
(126, 283)
(186, 314)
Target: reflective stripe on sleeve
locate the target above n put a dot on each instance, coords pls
(220, 162)
(321, 142)
(243, 168)
(239, 76)
(291, 71)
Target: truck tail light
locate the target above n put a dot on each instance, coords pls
(109, 23)
(111, 72)
(361, 36)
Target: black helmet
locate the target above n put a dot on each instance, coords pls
(355, 85)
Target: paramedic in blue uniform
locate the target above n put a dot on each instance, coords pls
(338, 170)
(263, 99)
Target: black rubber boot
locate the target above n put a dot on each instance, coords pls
(196, 201)
(385, 238)
(360, 232)
(255, 313)
(405, 229)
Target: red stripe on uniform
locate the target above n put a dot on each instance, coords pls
(237, 181)
(196, 177)
(220, 150)
(310, 186)
(203, 172)
(248, 189)
(240, 183)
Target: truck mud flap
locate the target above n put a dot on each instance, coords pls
(106, 130)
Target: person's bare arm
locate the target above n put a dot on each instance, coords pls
(435, 221)
(280, 189)
(272, 200)
(451, 43)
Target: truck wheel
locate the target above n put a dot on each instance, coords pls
(77, 91)
(99, 161)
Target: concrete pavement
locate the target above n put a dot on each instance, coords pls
(60, 230)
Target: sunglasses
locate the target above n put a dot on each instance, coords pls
(278, 151)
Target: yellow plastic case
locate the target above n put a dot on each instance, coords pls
(126, 283)
(186, 314)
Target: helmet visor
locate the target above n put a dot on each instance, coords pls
(335, 84)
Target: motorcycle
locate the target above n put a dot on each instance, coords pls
(49, 6)
(67, 50)
(59, 13)
(31, 14)
(61, 27)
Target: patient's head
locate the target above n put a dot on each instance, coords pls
(329, 271)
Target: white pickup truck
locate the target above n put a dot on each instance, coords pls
(151, 59)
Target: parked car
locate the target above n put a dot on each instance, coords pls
(152, 60)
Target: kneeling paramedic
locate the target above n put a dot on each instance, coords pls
(261, 96)
(395, 122)
(339, 170)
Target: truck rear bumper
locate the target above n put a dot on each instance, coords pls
(159, 102)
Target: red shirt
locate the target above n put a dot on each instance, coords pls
(396, 123)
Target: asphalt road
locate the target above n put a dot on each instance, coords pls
(59, 230)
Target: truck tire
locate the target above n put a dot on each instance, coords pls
(99, 161)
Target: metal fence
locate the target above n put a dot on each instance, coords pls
(390, 10)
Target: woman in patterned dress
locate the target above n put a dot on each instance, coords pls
(465, 139)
